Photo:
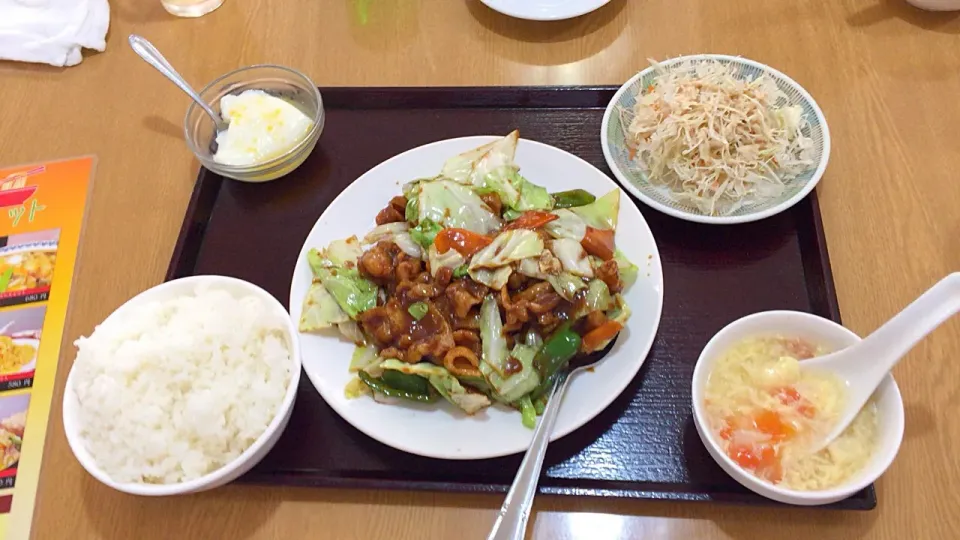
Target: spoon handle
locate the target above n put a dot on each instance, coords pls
(874, 357)
(889, 343)
(511, 522)
(152, 56)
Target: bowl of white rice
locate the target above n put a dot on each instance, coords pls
(183, 388)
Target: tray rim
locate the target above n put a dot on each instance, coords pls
(812, 239)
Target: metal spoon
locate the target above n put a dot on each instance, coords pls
(511, 522)
(152, 56)
(863, 366)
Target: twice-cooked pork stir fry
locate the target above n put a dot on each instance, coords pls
(477, 286)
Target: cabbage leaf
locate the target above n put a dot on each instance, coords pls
(493, 343)
(362, 358)
(452, 259)
(628, 271)
(472, 166)
(567, 285)
(519, 384)
(491, 168)
(399, 234)
(425, 232)
(336, 268)
(572, 256)
(601, 213)
(598, 296)
(341, 252)
(516, 192)
(567, 225)
(508, 246)
(353, 293)
(320, 310)
(495, 279)
(445, 383)
(450, 204)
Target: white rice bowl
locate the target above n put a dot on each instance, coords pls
(175, 389)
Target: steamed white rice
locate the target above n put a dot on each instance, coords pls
(174, 390)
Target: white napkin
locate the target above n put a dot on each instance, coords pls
(52, 31)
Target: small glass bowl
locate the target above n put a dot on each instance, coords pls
(279, 81)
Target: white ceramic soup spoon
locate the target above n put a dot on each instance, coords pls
(863, 366)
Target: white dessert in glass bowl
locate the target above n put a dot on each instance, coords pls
(260, 127)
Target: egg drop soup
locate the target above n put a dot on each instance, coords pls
(766, 414)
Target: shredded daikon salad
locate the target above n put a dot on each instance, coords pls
(767, 414)
(718, 141)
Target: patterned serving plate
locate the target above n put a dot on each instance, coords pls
(617, 153)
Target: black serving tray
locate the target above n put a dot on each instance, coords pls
(644, 446)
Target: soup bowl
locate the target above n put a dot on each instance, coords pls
(831, 336)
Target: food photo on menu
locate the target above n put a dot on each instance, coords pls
(524, 257)
(27, 262)
(20, 330)
(13, 420)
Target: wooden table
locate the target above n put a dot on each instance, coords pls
(887, 77)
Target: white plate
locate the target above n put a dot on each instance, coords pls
(661, 198)
(438, 430)
(545, 10)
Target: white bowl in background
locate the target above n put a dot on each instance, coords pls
(936, 5)
(831, 336)
(545, 10)
(246, 460)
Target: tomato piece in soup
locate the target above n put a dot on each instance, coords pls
(789, 396)
(761, 460)
(770, 423)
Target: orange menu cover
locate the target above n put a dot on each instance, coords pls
(41, 214)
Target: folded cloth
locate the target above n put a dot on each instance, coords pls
(52, 31)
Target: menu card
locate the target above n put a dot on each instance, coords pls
(41, 213)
